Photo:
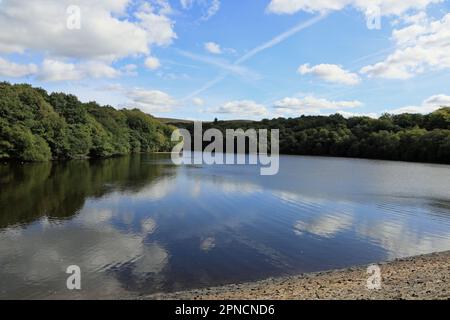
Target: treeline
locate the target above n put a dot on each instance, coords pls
(37, 126)
(406, 137)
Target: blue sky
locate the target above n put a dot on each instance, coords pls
(201, 59)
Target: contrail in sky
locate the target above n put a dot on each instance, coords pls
(267, 45)
(280, 38)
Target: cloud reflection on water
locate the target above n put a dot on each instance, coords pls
(176, 227)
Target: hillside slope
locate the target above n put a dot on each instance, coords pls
(37, 126)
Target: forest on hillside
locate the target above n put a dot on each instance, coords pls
(37, 126)
(406, 137)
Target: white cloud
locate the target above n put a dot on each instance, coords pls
(419, 47)
(152, 63)
(312, 105)
(387, 7)
(438, 100)
(151, 101)
(96, 69)
(429, 105)
(41, 26)
(213, 47)
(211, 7)
(242, 108)
(147, 100)
(212, 10)
(158, 28)
(331, 73)
(11, 69)
(54, 70)
(110, 31)
(198, 101)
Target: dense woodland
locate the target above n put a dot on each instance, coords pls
(37, 126)
(407, 137)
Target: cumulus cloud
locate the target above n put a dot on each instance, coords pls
(41, 26)
(387, 7)
(158, 27)
(330, 73)
(428, 105)
(151, 101)
(148, 100)
(109, 31)
(213, 47)
(11, 69)
(152, 63)
(54, 70)
(420, 47)
(312, 105)
(242, 108)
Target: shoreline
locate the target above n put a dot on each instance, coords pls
(423, 277)
(5, 161)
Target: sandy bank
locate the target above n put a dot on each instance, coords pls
(421, 277)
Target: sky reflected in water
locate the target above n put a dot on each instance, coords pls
(138, 225)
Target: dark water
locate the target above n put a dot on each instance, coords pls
(138, 225)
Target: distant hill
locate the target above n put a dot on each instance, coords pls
(175, 121)
(171, 121)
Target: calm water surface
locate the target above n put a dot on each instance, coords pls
(138, 225)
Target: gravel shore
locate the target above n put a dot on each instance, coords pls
(421, 277)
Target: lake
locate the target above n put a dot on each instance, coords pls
(138, 225)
